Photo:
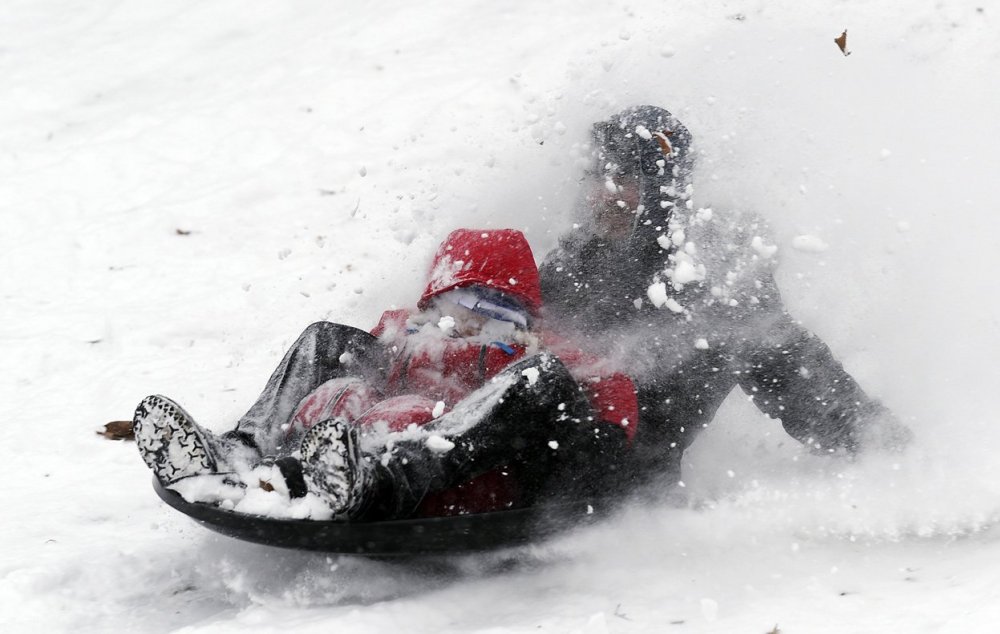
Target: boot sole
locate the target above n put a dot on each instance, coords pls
(169, 440)
(330, 456)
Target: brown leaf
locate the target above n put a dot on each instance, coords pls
(842, 43)
(267, 486)
(118, 430)
(662, 137)
(183, 232)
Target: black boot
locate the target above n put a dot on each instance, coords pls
(334, 468)
(176, 447)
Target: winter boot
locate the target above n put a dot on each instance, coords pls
(335, 469)
(176, 447)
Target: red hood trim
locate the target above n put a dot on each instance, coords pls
(495, 258)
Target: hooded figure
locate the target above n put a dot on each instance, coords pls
(636, 191)
(687, 299)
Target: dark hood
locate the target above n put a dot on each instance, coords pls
(650, 146)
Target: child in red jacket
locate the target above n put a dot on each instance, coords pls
(463, 406)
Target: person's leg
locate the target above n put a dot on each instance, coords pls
(174, 446)
(324, 351)
(345, 397)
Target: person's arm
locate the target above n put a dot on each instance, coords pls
(793, 376)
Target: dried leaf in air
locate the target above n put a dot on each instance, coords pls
(663, 139)
(118, 430)
(267, 486)
(842, 43)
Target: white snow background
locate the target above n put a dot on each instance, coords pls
(185, 185)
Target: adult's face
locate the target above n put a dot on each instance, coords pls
(613, 201)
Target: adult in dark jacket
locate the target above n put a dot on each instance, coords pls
(685, 298)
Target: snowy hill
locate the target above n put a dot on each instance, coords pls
(185, 185)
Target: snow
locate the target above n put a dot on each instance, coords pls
(438, 409)
(763, 249)
(438, 444)
(657, 294)
(809, 244)
(185, 186)
(531, 375)
(446, 324)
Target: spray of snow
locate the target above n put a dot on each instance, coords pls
(134, 142)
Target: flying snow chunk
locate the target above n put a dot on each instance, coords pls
(657, 294)
(701, 344)
(644, 132)
(438, 444)
(672, 304)
(686, 272)
(553, 444)
(809, 244)
(531, 374)
(438, 409)
(664, 242)
(447, 324)
(346, 359)
(763, 250)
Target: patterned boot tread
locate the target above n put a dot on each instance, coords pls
(333, 466)
(170, 442)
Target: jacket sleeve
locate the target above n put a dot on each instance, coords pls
(792, 376)
(611, 394)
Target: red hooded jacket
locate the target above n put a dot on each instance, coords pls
(421, 375)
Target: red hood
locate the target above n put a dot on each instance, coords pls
(495, 258)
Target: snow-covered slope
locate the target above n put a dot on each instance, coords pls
(185, 185)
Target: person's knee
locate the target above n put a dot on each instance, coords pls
(327, 333)
(319, 329)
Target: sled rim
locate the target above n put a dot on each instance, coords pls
(420, 536)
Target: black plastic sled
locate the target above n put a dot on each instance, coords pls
(422, 536)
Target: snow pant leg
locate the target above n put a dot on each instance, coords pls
(533, 416)
(323, 351)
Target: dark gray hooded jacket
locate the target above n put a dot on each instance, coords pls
(688, 306)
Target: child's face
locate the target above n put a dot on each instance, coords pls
(467, 323)
(470, 312)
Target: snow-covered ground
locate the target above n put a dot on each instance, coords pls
(185, 185)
